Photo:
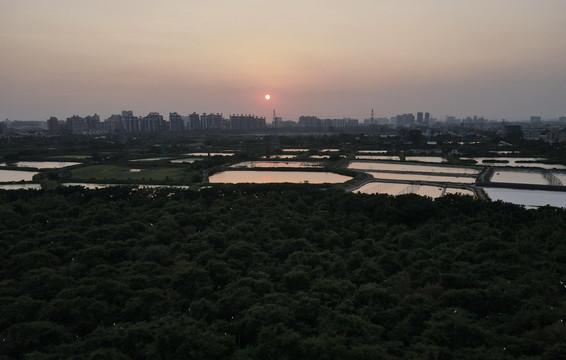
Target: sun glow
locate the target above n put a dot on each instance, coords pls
(267, 97)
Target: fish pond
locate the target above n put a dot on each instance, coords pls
(263, 177)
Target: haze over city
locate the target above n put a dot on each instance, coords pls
(502, 59)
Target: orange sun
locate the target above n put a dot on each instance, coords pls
(267, 97)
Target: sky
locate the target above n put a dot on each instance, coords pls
(501, 59)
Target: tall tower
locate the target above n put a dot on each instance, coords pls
(372, 116)
(274, 121)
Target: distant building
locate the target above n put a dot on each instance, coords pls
(452, 120)
(309, 121)
(420, 118)
(153, 122)
(562, 120)
(277, 122)
(351, 122)
(339, 123)
(76, 124)
(536, 119)
(176, 122)
(405, 120)
(130, 123)
(79, 125)
(246, 122)
(335, 123)
(377, 121)
(92, 123)
(114, 123)
(193, 122)
(211, 121)
(53, 125)
(556, 136)
(512, 132)
(475, 122)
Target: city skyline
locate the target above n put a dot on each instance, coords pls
(501, 59)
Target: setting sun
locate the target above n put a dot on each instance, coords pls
(267, 97)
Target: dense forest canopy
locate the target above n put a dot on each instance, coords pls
(277, 272)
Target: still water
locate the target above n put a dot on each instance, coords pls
(519, 177)
(505, 152)
(402, 167)
(20, 187)
(426, 159)
(210, 154)
(422, 177)
(401, 189)
(295, 150)
(153, 159)
(528, 198)
(280, 157)
(378, 157)
(277, 164)
(44, 164)
(101, 186)
(185, 161)
(515, 162)
(263, 177)
(561, 177)
(16, 175)
(372, 151)
(456, 191)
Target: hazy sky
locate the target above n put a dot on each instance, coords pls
(331, 58)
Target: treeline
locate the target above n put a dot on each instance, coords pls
(277, 272)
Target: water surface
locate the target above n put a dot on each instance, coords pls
(277, 164)
(457, 191)
(514, 162)
(561, 177)
(427, 159)
(16, 175)
(294, 150)
(20, 187)
(44, 164)
(400, 189)
(280, 157)
(210, 154)
(403, 167)
(185, 161)
(152, 159)
(528, 198)
(378, 157)
(519, 177)
(94, 186)
(422, 177)
(263, 177)
(372, 151)
(320, 156)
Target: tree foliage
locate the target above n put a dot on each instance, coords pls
(277, 272)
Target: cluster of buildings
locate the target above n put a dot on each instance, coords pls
(537, 129)
(127, 122)
(315, 122)
(403, 120)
